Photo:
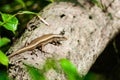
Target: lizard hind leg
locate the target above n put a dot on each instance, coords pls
(56, 42)
(41, 48)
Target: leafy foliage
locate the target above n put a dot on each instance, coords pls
(115, 47)
(99, 4)
(3, 59)
(10, 22)
(34, 73)
(21, 2)
(4, 41)
(50, 64)
(96, 2)
(3, 75)
(70, 70)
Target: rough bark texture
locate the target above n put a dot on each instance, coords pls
(87, 28)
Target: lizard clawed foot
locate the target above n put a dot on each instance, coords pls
(41, 49)
(57, 43)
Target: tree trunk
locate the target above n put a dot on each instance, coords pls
(88, 30)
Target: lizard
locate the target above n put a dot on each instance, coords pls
(40, 42)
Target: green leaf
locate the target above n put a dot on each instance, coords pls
(4, 41)
(70, 70)
(10, 22)
(3, 75)
(96, 2)
(93, 76)
(21, 2)
(50, 63)
(50, 0)
(115, 46)
(3, 59)
(34, 73)
(1, 23)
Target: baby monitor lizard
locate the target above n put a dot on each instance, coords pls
(40, 42)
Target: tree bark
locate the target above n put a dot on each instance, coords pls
(87, 28)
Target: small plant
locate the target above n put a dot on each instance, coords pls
(99, 4)
(66, 66)
(70, 70)
(35, 73)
